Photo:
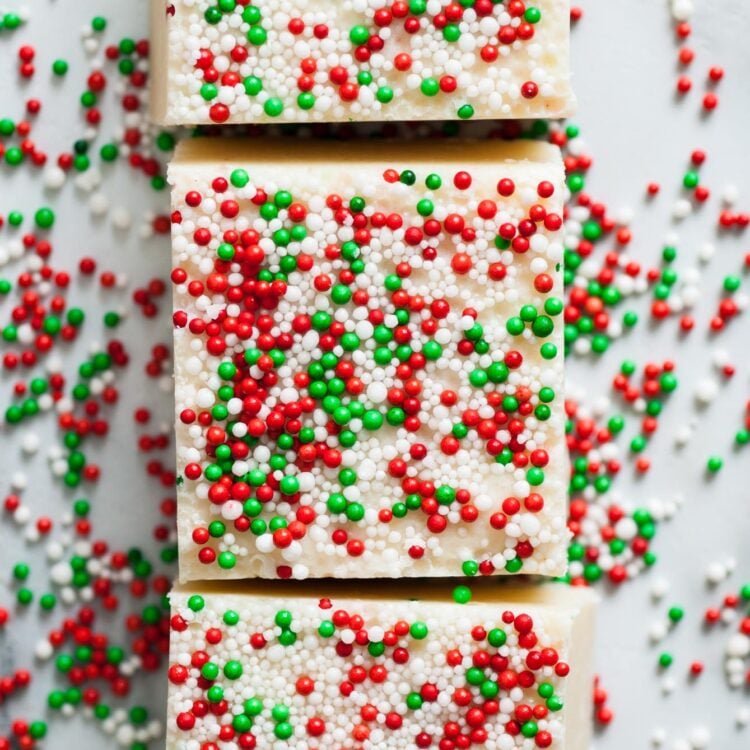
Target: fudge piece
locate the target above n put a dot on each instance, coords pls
(225, 61)
(252, 667)
(368, 359)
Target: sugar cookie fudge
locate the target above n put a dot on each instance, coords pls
(250, 61)
(252, 668)
(368, 359)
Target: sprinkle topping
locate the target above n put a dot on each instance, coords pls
(347, 674)
(305, 60)
(370, 377)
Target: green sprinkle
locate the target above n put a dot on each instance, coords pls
(359, 35)
(691, 179)
(233, 670)
(59, 67)
(676, 614)
(462, 594)
(465, 112)
(430, 87)
(384, 94)
(496, 637)
(257, 36)
(239, 178)
(44, 218)
(251, 14)
(196, 603)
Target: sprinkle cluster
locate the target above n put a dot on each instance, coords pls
(306, 61)
(249, 673)
(610, 537)
(94, 602)
(119, 69)
(365, 387)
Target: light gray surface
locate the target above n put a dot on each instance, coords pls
(625, 70)
(125, 501)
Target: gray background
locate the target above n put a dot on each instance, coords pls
(625, 71)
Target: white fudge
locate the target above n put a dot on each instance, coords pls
(368, 359)
(356, 60)
(281, 666)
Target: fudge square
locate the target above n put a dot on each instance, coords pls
(237, 61)
(368, 359)
(272, 666)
